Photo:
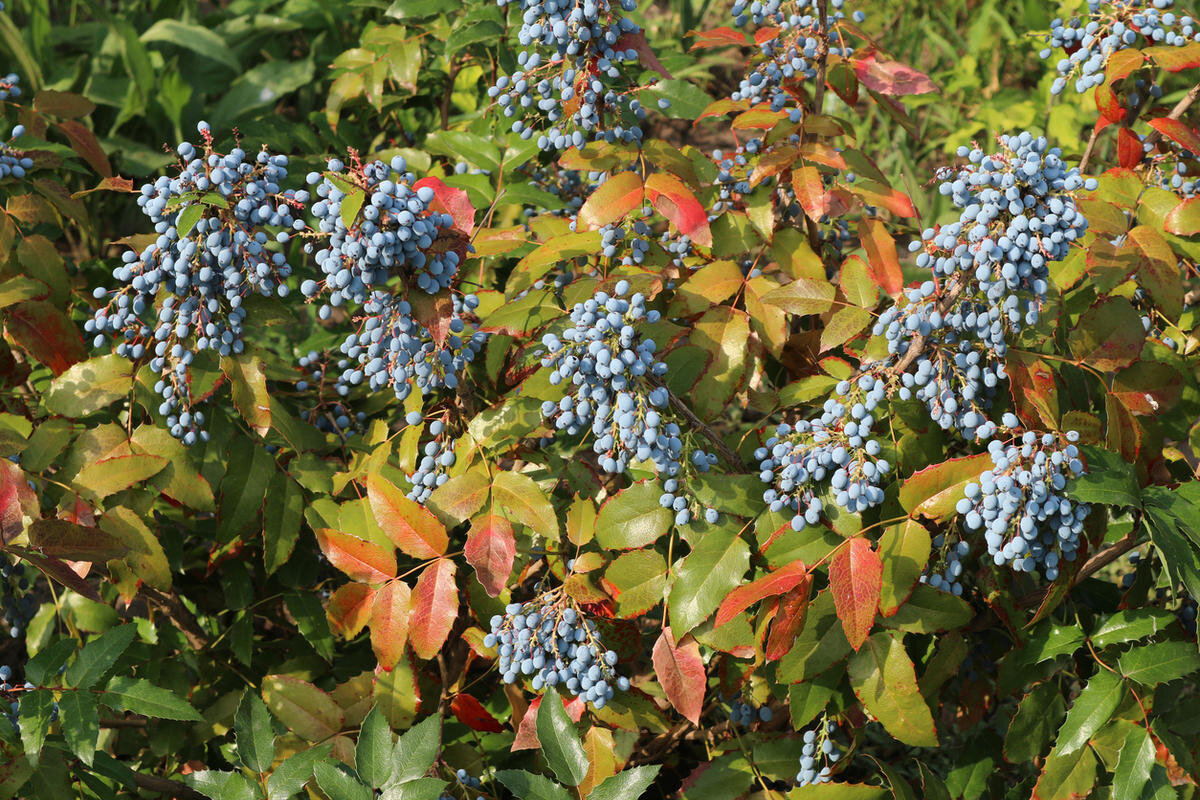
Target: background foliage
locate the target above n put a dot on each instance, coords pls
(267, 614)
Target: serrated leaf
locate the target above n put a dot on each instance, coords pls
(254, 733)
(883, 678)
(1132, 772)
(80, 723)
(491, 549)
(528, 786)
(680, 671)
(904, 552)
(373, 751)
(519, 496)
(142, 697)
(560, 742)
(616, 197)
(337, 782)
(1159, 662)
(89, 386)
(632, 518)
(417, 749)
(626, 785)
(705, 576)
(294, 772)
(855, 576)
(248, 378)
(408, 525)
(98, 656)
(434, 608)
(306, 710)
(1091, 710)
(390, 608)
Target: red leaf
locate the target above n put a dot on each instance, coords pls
(491, 549)
(349, 609)
(389, 622)
(451, 201)
(810, 192)
(470, 712)
(363, 561)
(882, 260)
(1121, 63)
(891, 77)
(1178, 131)
(781, 580)
(717, 37)
(1034, 390)
(84, 142)
(612, 200)
(855, 577)
(677, 203)
(680, 671)
(637, 41)
(1129, 148)
(409, 525)
(16, 500)
(765, 34)
(47, 334)
(1108, 104)
(434, 608)
(527, 738)
(789, 621)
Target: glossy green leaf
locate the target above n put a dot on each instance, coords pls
(628, 784)
(142, 697)
(79, 719)
(255, 735)
(705, 576)
(560, 742)
(883, 678)
(632, 518)
(1091, 710)
(98, 656)
(528, 786)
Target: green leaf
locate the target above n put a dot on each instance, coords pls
(98, 656)
(1067, 774)
(187, 219)
(255, 735)
(142, 697)
(934, 491)
(34, 713)
(248, 378)
(625, 785)
(1132, 771)
(351, 203)
(560, 742)
(807, 699)
(373, 752)
(417, 749)
(528, 786)
(281, 521)
(904, 551)
(1038, 716)
(1131, 624)
(930, 610)
(419, 789)
(1091, 710)
(265, 84)
(48, 660)
(89, 386)
(525, 502)
(196, 38)
(705, 576)
(803, 296)
(884, 680)
(337, 783)
(839, 791)
(640, 578)
(222, 785)
(306, 609)
(290, 776)
(1109, 335)
(110, 475)
(1109, 480)
(632, 518)
(1160, 662)
(80, 723)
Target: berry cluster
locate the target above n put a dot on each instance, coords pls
(949, 556)
(327, 413)
(10, 86)
(12, 161)
(392, 348)
(744, 714)
(837, 446)
(818, 746)
(989, 276)
(437, 457)
(789, 56)
(610, 367)
(1019, 504)
(1112, 25)
(378, 226)
(222, 222)
(576, 79)
(17, 602)
(550, 639)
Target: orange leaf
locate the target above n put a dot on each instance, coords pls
(434, 608)
(389, 622)
(680, 671)
(349, 609)
(491, 549)
(363, 561)
(882, 260)
(810, 192)
(1180, 132)
(615, 198)
(717, 37)
(781, 580)
(46, 333)
(855, 577)
(410, 526)
(470, 712)
(677, 203)
(789, 620)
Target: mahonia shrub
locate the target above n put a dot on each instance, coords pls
(597, 400)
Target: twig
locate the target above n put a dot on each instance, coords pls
(822, 53)
(1091, 146)
(166, 786)
(178, 614)
(1176, 112)
(731, 458)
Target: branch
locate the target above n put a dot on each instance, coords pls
(731, 458)
(822, 54)
(166, 786)
(177, 612)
